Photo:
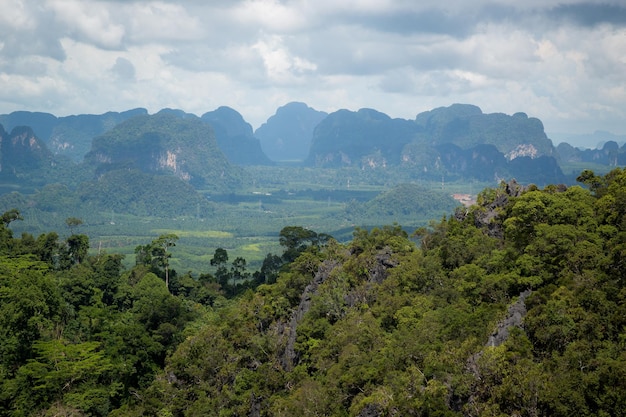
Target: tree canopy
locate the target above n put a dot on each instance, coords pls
(514, 306)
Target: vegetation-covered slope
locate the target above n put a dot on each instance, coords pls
(165, 143)
(515, 306)
(453, 142)
(467, 126)
(363, 138)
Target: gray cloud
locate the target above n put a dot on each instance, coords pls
(589, 14)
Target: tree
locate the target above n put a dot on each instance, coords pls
(269, 269)
(160, 252)
(595, 183)
(73, 223)
(47, 247)
(295, 239)
(238, 270)
(77, 247)
(220, 258)
(10, 216)
(6, 235)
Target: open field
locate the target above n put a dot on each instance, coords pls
(247, 222)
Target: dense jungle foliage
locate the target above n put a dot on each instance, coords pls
(514, 306)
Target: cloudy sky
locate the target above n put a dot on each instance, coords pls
(563, 61)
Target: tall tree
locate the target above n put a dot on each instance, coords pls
(220, 258)
(160, 252)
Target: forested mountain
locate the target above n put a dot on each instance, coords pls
(514, 306)
(366, 139)
(363, 138)
(467, 126)
(287, 135)
(21, 151)
(454, 142)
(69, 135)
(26, 162)
(165, 143)
(235, 138)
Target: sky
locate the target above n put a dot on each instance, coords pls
(562, 61)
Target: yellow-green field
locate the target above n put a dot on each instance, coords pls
(208, 234)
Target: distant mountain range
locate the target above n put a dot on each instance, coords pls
(610, 154)
(459, 141)
(70, 135)
(456, 142)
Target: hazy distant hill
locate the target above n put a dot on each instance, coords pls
(610, 154)
(165, 143)
(363, 138)
(456, 142)
(22, 152)
(69, 135)
(142, 194)
(466, 126)
(595, 140)
(287, 135)
(235, 138)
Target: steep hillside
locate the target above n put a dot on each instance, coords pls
(467, 126)
(363, 138)
(21, 152)
(515, 306)
(26, 162)
(459, 142)
(235, 138)
(523, 320)
(165, 143)
(287, 135)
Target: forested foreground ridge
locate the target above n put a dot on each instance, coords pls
(514, 306)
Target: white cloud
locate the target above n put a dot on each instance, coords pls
(270, 15)
(160, 21)
(88, 20)
(16, 15)
(280, 65)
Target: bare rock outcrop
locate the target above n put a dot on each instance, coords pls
(514, 318)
